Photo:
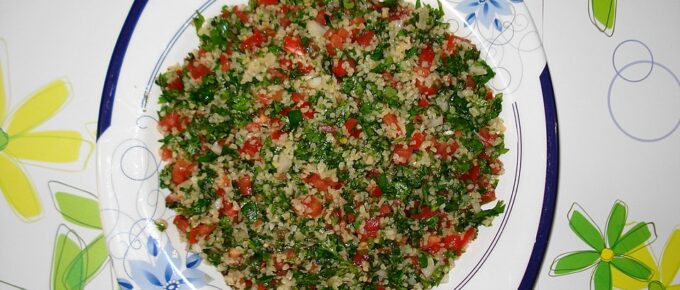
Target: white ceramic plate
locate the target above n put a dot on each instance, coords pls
(157, 34)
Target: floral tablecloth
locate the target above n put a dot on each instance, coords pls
(615, 73)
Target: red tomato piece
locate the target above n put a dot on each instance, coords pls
(420, 212)
(297, 97)
(488, 197)
(339, 69)
(425, 90)
(469, 82)
(166, 154)
(417, 139)
(201, 230)
(321, 17)
(460, 241)
(181, 222)
(433, 244)
(267, 2)
(197, 70)
(181, 171)
(402, 153)
(472, 174)
(304, 69)
(390, 120)
(385, 209)
(445, 149)
(242, 15)
(451, 43)
(375, 191)
(228, 208)
(351, 126)
(423, 102)
(255, 40)
(371, 227)
(245, 185)
(359, 258)
(293, 44)
(172, 121)
(313, 206)
(322, 184)
(177, 83)
(365, 38)
(487, 137)
(426, 57)
(252, 146)
(286, 64)
(224, 62)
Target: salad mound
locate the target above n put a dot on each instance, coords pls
(330, 144)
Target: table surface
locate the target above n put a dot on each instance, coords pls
(617, 95)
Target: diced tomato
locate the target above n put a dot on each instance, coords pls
(297, 97)
(252, 146)
(263, 99)
(339, 67)
(496, 166)
(181, 171)
(304, 69)
(351, 126)
(322, 184)
(337, 37)
(172, 121)
(267, 2)
(181, 222)
(197, 70)
(245, 185)
(433, 244)
(425, 90)
(444, 149)
(177, 83)
(359, 258)
(350, 218)
(201, 230)
(385, 209)
(261, 287)
(472, 174)
(375, 191)
(451, 43)
(426, 57)
(253, 126)
(423, 102)
(313, 206)
(371, 228)
(402, 153)
(417, 139)
(365, 38)
(390, 120)
(242, 15)
(277, 74)
(286, 64)
(396, 14)
(293, 44)
(420, 212)
(457, 242)
(166, 154)
(488, 197)
(469, 82)
(255, 40)
(487, 137)
(321, 17)
(228, 208)
(224, 62)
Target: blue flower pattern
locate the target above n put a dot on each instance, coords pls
(165, 271)
(487, 12)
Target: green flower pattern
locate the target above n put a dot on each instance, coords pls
(609, 249)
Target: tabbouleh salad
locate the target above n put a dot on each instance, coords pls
(330, 144)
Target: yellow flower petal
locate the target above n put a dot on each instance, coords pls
(39, 107)
(670, 260)
(3, 96)
(47, 146)
(623, 281)
(18, 190)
